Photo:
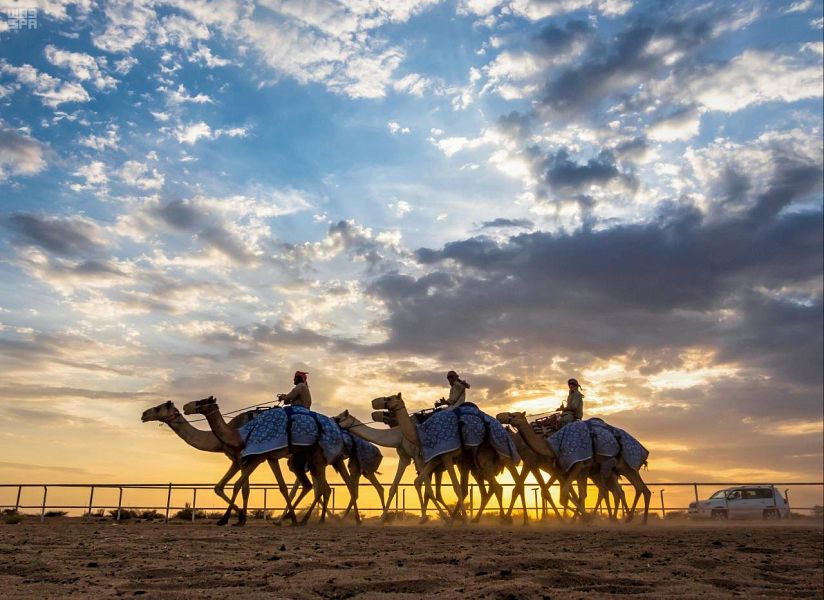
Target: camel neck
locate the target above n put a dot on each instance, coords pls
(407, 427)
(196, 438)
(226, 434)
(534, 441)
(388, 438)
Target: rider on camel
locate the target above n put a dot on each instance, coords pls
(300, 395)
(457, 391)
(573, 408)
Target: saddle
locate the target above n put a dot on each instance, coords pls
(546, 426)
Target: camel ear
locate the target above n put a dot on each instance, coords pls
(168, 404)
(400, 397)
(345, 413)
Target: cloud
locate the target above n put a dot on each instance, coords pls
(191, 133)
(137, 174)
(62, 236)
(394, 127)
(51, 91)
(516, 223)
(83, 66)
(100, 142)
(20, 154)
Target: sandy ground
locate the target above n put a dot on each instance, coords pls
(67, 557)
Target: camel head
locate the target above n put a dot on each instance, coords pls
(516, 419)
(345, 420)
(162, 412)
(392, 403)
(200, 407)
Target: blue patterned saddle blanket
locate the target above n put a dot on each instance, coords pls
(278, 428)
(464, 426)
(631, 450)
(368, 455)
(572, 443)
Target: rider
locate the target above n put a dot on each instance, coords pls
(457, 391)
(300, 395)
(573, 409)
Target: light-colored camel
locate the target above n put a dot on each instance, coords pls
(199, 439)
(577, 473)
(388, 438)
(232, 439)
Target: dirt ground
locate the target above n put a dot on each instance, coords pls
(68, 557)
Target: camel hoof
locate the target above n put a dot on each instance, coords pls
(506, 519)
(222, 522)
(240, 524)
(423, 519)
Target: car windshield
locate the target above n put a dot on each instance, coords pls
(719, 494)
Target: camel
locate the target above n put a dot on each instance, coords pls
(483, 463)
(387, 438)
(315, 462)
(578, 472)
(231, 438)
(201, 440)
(533, 463)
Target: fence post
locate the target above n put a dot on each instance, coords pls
(403, 494)
(91, 501)
(43, 508)
(168, 502)
(695, 489)
(396, 504)
(119, 503)
(265, 504)
(194, 503)
(663, 508)
(535, 495)
(787, 500)
(17, 502)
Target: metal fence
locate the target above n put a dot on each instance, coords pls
(401, 506)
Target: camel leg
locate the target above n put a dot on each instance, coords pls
(517, 490)
(640, 489)
(449, 463)
(242, 483)
(274, 464)
(371, 478)
(319, 485)
(220, 485)
(546, 491)
(424, 478)
(354, 489)
(403, 462)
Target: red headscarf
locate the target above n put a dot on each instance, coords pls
(303, 375)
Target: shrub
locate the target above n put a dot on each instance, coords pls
(186, 513)
(124, 514)
(56, 513)
(259, 513)
(149, 515)
(12, 517)
(96, 514)
(215, 514)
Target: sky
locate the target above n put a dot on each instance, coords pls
(198, 198)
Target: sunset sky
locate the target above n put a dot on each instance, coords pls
(201, 197)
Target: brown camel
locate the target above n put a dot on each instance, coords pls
(232, 439)
(577, 473)
(533, 463)
(483, 462)
(201, 440)
(315, 462)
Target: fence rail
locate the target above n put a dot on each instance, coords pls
(400, 499)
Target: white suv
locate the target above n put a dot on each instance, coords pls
(745, 502)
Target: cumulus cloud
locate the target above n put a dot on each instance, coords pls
(52, 91)
(139, 174)
(83, 66)
(20, 154)
(192, 132)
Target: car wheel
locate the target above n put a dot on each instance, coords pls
(719, 515)
(771, 515)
